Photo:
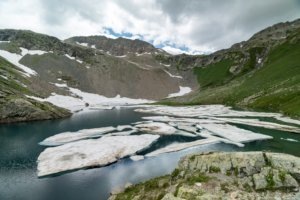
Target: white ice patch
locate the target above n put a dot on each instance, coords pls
(180, 146)
(141, 54)
(67, 137)
(137, 157)
(91, 153)
(171, 75)
(14, 59)
(258, 123)
(4, 41)
(82, 44)
(289, 139)
(233, 133)
(165, 65)
(32, 52)
(73, 58)
(161, 129)
(123, 56)
(288, 120)
(93, 46)
(204, 111)
(259, 60)
(4, 77)
(79, 99)
(182, 91)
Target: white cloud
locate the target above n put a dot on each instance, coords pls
(201, 26)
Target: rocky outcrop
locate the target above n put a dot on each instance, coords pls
(22, 109)
(118, 47)
(224, 175)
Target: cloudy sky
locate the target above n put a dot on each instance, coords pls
(194, 26)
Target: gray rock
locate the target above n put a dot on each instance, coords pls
(170, 196)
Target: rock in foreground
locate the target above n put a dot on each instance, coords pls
(238, 175)
(91, 153)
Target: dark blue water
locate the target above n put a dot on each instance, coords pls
(19, 150)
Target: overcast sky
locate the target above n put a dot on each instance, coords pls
(177, 25)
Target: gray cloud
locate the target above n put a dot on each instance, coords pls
(198, 24)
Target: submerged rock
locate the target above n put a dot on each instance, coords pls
(91, 153)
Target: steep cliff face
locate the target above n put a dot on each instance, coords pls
(239, 175)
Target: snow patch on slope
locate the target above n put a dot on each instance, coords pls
(182, 91)
(14, 59)
(171, 75)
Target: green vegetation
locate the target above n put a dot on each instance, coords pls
(214, 74)
(247, 187)
(197, 177)
(282, 175)
(270, 180)
(251, 63)
(225, 187)
(214, 169)
(275, 87)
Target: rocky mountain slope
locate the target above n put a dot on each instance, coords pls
(14, 105)
(101, 66)
(239, 175)
(261, 73)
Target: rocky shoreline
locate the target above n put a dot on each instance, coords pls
(224, 175)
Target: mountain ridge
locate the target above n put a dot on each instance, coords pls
(136, 69)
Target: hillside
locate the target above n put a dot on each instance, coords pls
(77, 73)
(261, 73)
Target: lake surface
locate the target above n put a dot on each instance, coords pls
(19, 150)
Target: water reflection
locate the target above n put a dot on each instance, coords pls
(19, 150)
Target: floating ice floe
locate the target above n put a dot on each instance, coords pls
(91, 153)
(180, 146)
(182, 91)
(184, 120)
(289, 139)
(258, 123)
(161, 129)
(233, 133)
(67, 137)
(121, 133)
(137, 157)
(288, 120)
(204, 111)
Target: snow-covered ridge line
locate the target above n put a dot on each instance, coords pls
(182, 91)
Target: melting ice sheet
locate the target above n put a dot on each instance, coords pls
(200, 125)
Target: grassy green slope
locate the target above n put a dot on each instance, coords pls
(274, 87)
